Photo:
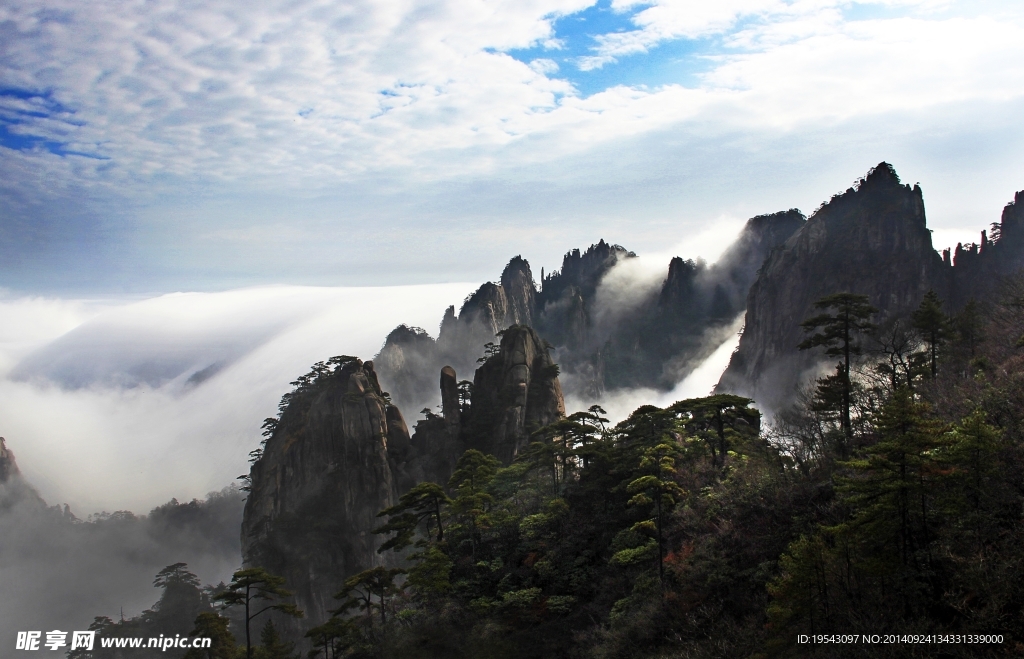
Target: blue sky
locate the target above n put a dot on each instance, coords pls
(188, 145)
(575, 36)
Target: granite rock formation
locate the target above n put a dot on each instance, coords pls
(976, 269)
(515, 392)
(655, 345)
(334, 460)
(340, 452)
(14, 489)
(872, 240)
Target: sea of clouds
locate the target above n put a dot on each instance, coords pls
(123, 404)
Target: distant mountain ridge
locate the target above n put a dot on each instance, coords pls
(655, 344)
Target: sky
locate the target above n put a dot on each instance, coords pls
(200, 199)
(153, 146)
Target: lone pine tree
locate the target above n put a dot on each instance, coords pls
(845, 317)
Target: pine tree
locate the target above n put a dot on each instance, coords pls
(214, 627)
(720, 420)
(181, 601)
(360, 590)
(845, 318)
(655, 489)
(250, 588)
(933, 325)
(468, 484)
(892, 494)
(272, 646)
(423, 502)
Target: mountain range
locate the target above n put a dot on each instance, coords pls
(341, 449)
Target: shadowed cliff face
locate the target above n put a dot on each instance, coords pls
(871, 240)
(341, 452)
(515, 392)
(604, 336)
(324, 475)
(977, 268)
(14, 491)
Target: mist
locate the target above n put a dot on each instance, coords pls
(145, 400)
(128, 404)
(701, 378)
(59, 572)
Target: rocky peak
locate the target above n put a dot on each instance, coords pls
(488, 307)
(977, 268)
(680, 285)
(333, 461)
(14, 489)
(340, 452)
(451, 410)
(407, 362)
(8, 466)
(520, 292)
(582, 270)
(870, 239)
(515, 392)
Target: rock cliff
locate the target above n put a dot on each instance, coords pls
(872, 240)
(515, 392)
(976, 269)
(663, 336)
(14, 489)
(334, 460)
(340, 452)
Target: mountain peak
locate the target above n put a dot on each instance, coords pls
(881, 174)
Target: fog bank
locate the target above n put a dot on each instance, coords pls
(144, 400)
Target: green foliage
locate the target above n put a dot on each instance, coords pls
(932, 323)
(215, 627)
(425, 501)
(253, 589)
(361, 588)
(844, 319)
(490, 350)
(836, 330)
(272, 646)
(337, 637)
(175, 613)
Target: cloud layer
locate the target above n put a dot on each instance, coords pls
(149, 146)
(309, 92)
(112, 414)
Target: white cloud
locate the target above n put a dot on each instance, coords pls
(701, 381)
(290, 94)
(115, 441)
(544, 66)
(34, 321)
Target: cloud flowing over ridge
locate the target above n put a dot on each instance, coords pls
(164, 397)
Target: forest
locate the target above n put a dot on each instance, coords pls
(887, 500)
